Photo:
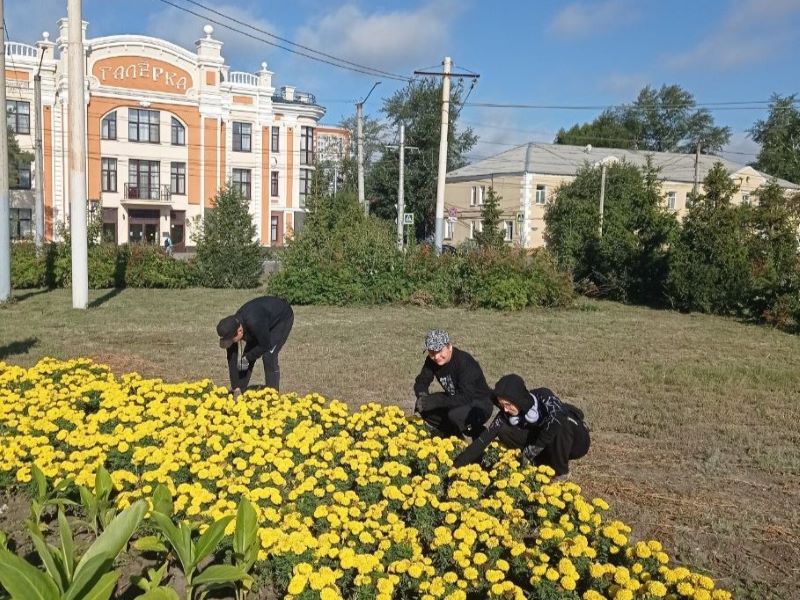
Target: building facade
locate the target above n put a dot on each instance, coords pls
(166, 128)
(526, 178)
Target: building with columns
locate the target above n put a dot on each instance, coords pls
(166, 128)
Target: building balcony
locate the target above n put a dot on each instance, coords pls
(153, 193)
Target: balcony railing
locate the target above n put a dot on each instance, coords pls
(19, 49)
(243, 78)
(153, 192)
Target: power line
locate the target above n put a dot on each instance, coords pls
(291, 43)
(364, 70)
(726, 105)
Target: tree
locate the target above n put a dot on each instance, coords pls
(419, 106)
(490, 235)
(664, 120)
(629, 261)
(374, 138)
(779, 136)
(710, 267)
(228, 253)
(16, 158)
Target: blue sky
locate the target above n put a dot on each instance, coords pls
(590, 52)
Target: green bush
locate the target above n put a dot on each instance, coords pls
(27, 267)
(150, 267)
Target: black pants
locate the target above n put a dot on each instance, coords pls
(449, 416)
(272, 371)
(570, 443)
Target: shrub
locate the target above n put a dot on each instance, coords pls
(150, 267)
(27, 267)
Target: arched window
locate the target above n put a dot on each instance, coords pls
(178, 133)
(109, 126)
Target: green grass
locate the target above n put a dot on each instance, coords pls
(695, 419)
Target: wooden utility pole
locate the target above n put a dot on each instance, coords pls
(5, 212)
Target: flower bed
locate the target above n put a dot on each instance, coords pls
(350, 504)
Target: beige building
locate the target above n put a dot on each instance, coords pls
(526, 177)
(166, 128)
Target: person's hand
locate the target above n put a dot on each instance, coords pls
(531, 452)
(244, 364)
(420, 404)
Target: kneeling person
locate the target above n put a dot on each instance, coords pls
(465, 405)
(547, 430)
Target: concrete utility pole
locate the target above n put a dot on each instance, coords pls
(439, 231)
(76, 112)
(602, 194)
(360, 144)
(696, 168)
(401, 202)
(5, 214)
(39, 192)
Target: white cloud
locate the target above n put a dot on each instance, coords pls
(753, 31)
(396, 41)
(623, 85)
(581, 19)
(240, 51)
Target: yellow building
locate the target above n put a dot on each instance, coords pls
(527, 176)
(166, 127)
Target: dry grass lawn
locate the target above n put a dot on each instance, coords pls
(695, 419)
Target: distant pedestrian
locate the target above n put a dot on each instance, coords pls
(168, 245)
(259, 329)
(464, 405)
(548, 431)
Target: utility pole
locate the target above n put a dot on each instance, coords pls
(5, 214)
(360, 144)
(39, 192)
(602, 195)
(401, 203)
(76, 112)
(439, 231)
(696, 168)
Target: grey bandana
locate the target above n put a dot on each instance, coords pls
(436, 340)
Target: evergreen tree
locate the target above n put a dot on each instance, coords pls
(228, 253)
(490, 235)
(779, 136)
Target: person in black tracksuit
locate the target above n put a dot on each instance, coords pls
(465, 404)
(259, 329)
(547, 430)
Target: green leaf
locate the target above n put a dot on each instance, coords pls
(246, 534)
(162, 500)
(218, 574)
(176, 539)
(67, 545)
(45, 552)
(159, 593)
(103, 589)
(116, 535)
(23, 581)
(3, 540)
(89, 575)
(41, 483)
(103, 485)
(149, 543)
(210, 539)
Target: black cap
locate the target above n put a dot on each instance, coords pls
(227, 329)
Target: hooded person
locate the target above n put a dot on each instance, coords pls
(465, 403)
(547, 430)
(259, 329)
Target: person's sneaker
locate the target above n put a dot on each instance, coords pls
(561, 478)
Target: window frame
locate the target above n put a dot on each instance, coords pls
(672, 200)
(26, 182)
(239, 183)
(151, 124)
(508, 234)
(275, 139)
(177, 132)
(274, 185)
(540, 187)
(14, 218)
(13, 114)
(240, 136)
(107, 124)
(177, 178)
(107, 174)
(304, 189)
(139, 163)
(306, 145)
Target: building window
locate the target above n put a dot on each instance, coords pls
(449, 229)
(481, 195)
(177, 179)
(178, 133)
(276, 139)
(305, 185)
(18, 115)
(108, 174)
(144, 179)
(671, 200)
(473, 195)
(21, 223)
(143, 125)
(306, 145)
(541, 194)
(241, 182)
(509, 230)
(242, 134)
(746, 199)
(23, 181)
(273, 183)
(109, 126)
(273, 229)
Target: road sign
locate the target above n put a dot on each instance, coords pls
(408, 218)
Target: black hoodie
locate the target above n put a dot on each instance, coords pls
(541, 412)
